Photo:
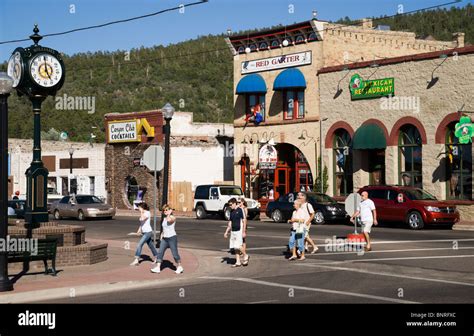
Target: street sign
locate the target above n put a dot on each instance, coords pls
(154, 158)
(351, 204)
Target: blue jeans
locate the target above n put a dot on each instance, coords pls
(146, 238)
(297, 239)
(171, 243)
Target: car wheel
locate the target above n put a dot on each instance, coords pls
(227, 213)
(57, 215)
(277, 216)
(319, 217)
(415, 221)
(200, 212)
(80, 215)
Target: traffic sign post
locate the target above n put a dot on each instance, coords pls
(153, 159)
(351, 205)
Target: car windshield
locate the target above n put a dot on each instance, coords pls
(231, 191)
(322, 198)
(88, 200)
(419, 195)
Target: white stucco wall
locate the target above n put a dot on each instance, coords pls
(21, 157)
(198, 165)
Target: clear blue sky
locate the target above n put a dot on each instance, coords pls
(18, 16)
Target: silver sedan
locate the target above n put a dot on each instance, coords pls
(82, 207)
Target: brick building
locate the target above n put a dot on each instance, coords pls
(277, 95)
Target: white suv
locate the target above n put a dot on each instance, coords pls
(214, 199)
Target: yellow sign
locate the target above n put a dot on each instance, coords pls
(129, 130)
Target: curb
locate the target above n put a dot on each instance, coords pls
(65, 292)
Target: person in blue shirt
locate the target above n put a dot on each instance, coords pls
(237, 229)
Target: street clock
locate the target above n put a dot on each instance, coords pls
(36, 70)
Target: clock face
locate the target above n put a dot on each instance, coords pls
(15, 68)
(46, 70)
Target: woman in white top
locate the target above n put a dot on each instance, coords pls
(147, 233)
(169, 239)
(298, 229)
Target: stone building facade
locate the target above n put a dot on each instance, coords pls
(432, 91)
(275, 76)
(199, 154)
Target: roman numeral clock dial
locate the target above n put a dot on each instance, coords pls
(45, 70)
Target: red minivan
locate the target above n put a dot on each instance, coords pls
(410, 205)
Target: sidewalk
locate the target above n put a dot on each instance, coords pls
(112, 275)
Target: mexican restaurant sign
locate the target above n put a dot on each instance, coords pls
(464, 130)
(267, 158)
(128, 130)
(361, 89)
(279, 62)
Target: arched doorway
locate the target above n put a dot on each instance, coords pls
(458, 166)
(292, 173)
(131, 191)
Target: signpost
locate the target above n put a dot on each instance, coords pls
(268, 157)
(154, 159)
(351, 205)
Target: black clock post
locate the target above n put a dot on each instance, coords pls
(38, 72)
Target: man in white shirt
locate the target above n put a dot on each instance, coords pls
(368, 216)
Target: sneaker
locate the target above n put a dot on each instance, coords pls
(155, 269)
(179, 270)
(135, 262)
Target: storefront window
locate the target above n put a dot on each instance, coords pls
(255, 104)
(459, 167)
(293, 104)
(343, 182)
(410, 157)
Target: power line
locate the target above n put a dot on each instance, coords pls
(113, 22)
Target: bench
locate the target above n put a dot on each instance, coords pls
(46, 251)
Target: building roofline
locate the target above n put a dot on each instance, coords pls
(399, 59)
(264, 33)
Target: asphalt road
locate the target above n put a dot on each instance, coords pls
(429, 266)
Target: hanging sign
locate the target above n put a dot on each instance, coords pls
(267, 157)
(464, 130)
(362, 89)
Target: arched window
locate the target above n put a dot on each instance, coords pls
(241, 50)
(410, 157)
(300, 39)
(458, 167)
(342, 148)
(263, 45)
(312, 37)
(275, 44)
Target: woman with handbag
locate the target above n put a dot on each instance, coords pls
(297, 231)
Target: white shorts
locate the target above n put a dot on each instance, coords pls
(236, 240)
(367, 226)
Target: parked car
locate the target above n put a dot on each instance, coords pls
(82, 207)
(19, 206)
(413, 206)
(53, 197)
(213, 199)
(326, 208)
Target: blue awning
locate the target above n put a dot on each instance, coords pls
(289, 79)
(251, 84)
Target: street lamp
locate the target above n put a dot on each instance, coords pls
(71, 152)
(321, 153)
(168, 111)
(6, 86)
